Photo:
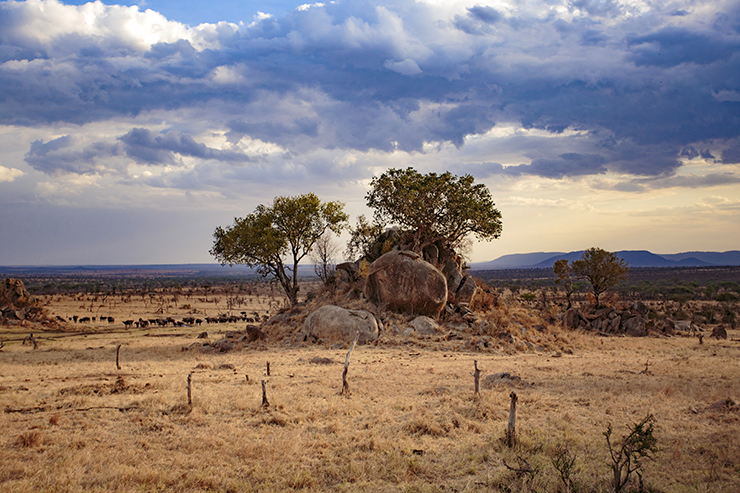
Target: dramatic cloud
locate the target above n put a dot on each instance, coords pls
(147, 147)
(611, 94)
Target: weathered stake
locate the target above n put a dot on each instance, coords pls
(118, 354)
(265, 403)
(345, 385)
(476, 376)
(268, 368)
(511, 430)
(190, 381)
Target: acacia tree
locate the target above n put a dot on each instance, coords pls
(434, 207)
(602, 269)
(288, 228)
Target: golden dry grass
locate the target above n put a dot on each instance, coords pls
(73, 422)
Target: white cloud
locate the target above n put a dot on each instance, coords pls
(9, 174)
(404, 67)
(47, 21)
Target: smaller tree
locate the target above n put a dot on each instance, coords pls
(602, 269)
(562, 269)
(288, 228)
(323, 255)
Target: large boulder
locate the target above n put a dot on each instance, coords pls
(337, 324)
(405, 283)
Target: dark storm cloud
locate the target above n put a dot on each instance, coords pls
(147, 147)
(365, 76)
(570, 164)
(64, 155)
(61, 155)
(643, 185)
(672, 46)
(731, 155)
(478, 20)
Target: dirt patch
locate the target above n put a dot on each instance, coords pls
(120, 386)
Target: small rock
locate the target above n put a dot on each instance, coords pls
(719, 332)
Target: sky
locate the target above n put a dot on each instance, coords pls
(129, 132)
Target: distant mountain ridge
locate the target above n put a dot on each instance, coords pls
(634, 258)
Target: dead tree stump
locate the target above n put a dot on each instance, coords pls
(265, 403)
(511, 429)
(345, 386)
(118, 354)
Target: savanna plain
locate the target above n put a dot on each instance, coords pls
(73, 421)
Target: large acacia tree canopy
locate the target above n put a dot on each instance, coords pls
(433, 206)
(288, 228)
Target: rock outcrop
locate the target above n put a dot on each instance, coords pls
(634, 321)
(17, 305)
(405, 283)
(332, 323)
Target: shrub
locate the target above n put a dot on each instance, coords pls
(627, 455)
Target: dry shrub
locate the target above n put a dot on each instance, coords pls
(485, 299)
(422, 424)
(29, 439)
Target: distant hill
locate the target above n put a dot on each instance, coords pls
(635, 258)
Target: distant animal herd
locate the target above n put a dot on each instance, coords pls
(185, 321)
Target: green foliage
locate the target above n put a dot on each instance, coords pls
(727, 297)
(602, 269)
(288, 228)
(366, 240)
(627, 455)
(434, 207)
(528, 297)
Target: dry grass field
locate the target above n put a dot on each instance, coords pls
(72, 421)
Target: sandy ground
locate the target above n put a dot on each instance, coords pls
(73, 421)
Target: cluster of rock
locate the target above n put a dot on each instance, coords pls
(414, 283)
(17, 305)
(633, 321)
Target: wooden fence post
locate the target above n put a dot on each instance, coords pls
(511, 429)
(476, 376)
(345, 385)
(190, 381)
(265, 403)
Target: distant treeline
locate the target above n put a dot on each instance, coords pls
(679, 283)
